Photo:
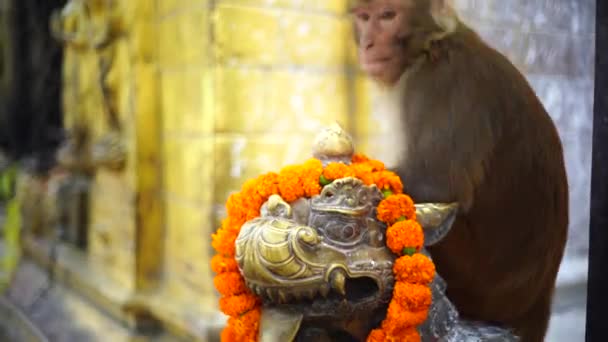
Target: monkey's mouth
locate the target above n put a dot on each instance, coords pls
(375, 65)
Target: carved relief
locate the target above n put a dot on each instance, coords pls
(86, 26)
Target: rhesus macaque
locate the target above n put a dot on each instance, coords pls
(472, 130)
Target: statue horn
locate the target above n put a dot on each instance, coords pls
(436, 220)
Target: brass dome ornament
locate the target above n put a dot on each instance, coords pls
(321, 268)
(333, 144)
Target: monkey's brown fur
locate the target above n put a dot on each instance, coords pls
(476, 133)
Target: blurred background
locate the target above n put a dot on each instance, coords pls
(125, 125)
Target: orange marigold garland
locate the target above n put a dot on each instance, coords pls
(405, 236)
(413, 271)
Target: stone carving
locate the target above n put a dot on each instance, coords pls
(86, 24)
(322, 268)
(72, 194)
(74, 24)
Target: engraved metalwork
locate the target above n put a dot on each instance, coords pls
(334, 264)
(322, 268)
(333, 145)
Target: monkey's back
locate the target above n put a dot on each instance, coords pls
(477, 134)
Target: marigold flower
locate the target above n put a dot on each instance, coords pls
(388, 180)
(250, 336)
(230, 284)
(359, 158)
(376, 335)
(404, 234)
(413, 297)
(371, 164)
(267, 185)
(239, 304)
(417, 269)
(335, 171)
(290, 186)
(398, 317)
(312, 165)
(247, 323)
(232, 224)
(221, 264)
(374, 165)
(311, 171)
(250, 196)
(223, 242)
(249, 187)
(364, 172)
(252, 213)
(396, 207)
(228, 334)
(234, 207)
(311, 187)
(404, 335)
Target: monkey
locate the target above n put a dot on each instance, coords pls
(472, 130)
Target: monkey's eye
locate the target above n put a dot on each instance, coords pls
(363, 16)
(388, 15)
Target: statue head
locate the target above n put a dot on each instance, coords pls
(320, 264)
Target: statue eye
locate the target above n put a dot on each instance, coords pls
(342, 232)
(348, 232)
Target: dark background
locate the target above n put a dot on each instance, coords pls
(597, 300)
(30, 81)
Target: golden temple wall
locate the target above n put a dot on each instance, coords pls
(208, 94)
(241, 96)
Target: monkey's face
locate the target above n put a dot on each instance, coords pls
(381, 28)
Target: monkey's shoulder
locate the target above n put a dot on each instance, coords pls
(472, 79)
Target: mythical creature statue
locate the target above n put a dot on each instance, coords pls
(322, 268)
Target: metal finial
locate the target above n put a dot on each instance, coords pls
(333, 144)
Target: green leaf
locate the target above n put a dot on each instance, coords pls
(387, 192)
(409, 251)
(324, 181)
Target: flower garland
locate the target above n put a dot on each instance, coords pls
(413, 271)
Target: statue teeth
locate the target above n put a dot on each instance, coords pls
(259, 290)
(311, 294)
(273, 294)
(338, 281)
(284, 296)
(324, 290)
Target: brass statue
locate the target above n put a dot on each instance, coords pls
(322, 268)
(318, 259)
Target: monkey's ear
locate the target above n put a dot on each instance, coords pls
(440, 7)
(443, 13)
